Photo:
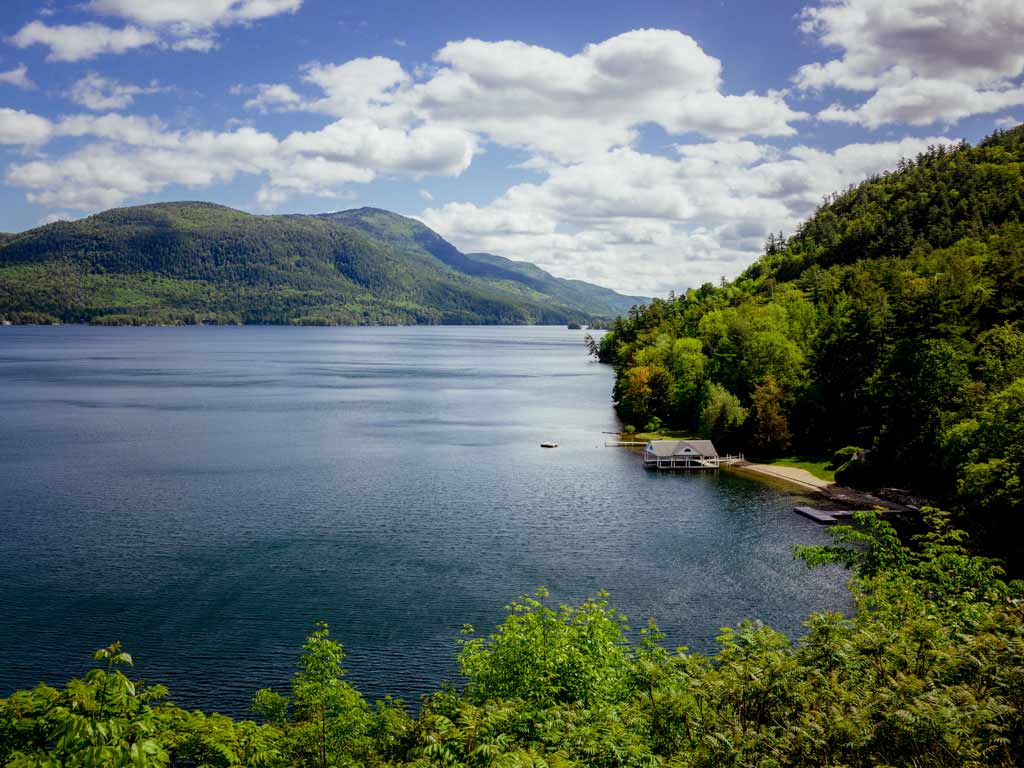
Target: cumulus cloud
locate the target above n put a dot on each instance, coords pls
(18, 77)
(194, 13)
(178, 25)
(359, 87)
(924, 61)
(77, 42)
(20, 127)
(642, 223)
(127, 157)
(571, 106)
(565, 107)
(100, 93)
(427, 149)
(136, 160)
(270, 97)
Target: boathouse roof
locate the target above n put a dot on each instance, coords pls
(666, 448)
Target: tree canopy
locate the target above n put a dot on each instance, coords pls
(891, 321)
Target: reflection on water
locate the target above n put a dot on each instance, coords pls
(205, 494)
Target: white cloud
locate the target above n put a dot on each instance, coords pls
(923, 102)
(1007, 122)
(18, 77)
(565, 107)
(924, 61)
(572, 106)
(359, 87)
(427, 149)
(643, 223)
(270, 97)
(138, 160)
(178, 25)
(127, 129)
(20, 127)
(81, 41)
(194, 13)
(195, 44)
(127, 157)
(101, 93)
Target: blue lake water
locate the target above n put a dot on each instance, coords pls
(205, 494)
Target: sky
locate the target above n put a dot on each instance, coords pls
(644, 146)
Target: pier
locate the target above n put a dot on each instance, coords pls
(834, 517)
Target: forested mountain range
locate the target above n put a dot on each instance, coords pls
(891, 321)
(198, 262)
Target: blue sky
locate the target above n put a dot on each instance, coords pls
(644, 146)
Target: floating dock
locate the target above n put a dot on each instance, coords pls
(835, 516)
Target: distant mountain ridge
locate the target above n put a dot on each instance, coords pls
(201, 262)
(413, 236)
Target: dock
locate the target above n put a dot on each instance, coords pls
(835, 516)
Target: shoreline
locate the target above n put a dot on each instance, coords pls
(790, 475)
(823, 490)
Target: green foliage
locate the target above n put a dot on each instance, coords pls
(722, 419)
(859, 473)
(769, 427)
(185, 263)
(845, 454)
(546, 656)
(990, 450)
(103, 719)
(889, 320)
(928, 671)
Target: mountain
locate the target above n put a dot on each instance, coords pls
(889, 326)
(523, 277)
(199, 262)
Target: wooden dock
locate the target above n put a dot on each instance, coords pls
(835, 516)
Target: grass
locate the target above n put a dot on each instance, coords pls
(661, 434)
(819, 467)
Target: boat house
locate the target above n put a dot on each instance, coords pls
(681, 454)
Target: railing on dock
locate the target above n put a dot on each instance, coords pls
(693, 462)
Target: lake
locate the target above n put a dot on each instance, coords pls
(205, 494)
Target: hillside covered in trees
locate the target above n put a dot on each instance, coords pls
(891, 325)
(198, 262)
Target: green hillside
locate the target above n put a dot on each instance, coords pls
(520, 277)
(891, 321)
(198, 262)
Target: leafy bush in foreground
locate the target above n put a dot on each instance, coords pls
(929, 671)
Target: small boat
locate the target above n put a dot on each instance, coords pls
(549, 445)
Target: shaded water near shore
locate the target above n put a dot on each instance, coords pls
(206, 494)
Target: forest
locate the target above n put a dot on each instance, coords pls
(929, 671)
(195, 263)
(886, 332)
